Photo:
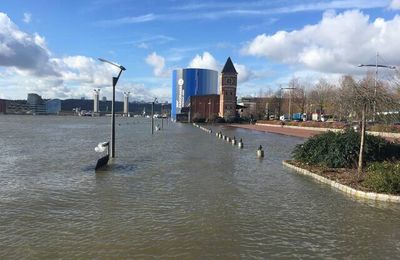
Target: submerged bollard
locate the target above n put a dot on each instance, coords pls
(101, 147)
(260, 152)
(234, 141)
(240, 144)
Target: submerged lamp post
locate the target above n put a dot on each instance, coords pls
(114, 83)
(152, 115)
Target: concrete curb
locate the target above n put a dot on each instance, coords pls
(346, 189)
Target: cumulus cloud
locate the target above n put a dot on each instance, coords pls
(23, 51)
(334, 45)
(158, 64)
(244, 74)
(207, 61)
(29, 66)
(394, 5)
(27, 18)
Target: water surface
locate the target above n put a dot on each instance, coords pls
(181, 193)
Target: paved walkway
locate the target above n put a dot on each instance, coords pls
(305, 133)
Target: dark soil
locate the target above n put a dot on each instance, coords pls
(341, 175)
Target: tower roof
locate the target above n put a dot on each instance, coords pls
(229, 68)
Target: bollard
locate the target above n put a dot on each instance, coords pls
(234, 141)
(260, 152)
(240, 144)
(228, 139)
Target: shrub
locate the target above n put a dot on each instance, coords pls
(383, 177)
(340, 150)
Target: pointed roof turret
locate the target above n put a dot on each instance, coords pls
(229, 68)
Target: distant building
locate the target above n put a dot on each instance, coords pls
(205, 107)
(96, 94)
(196, 93)
(36, 103)
(3, 106)
(227, 104)
(53, 106)
(260, 107)
(191, 82)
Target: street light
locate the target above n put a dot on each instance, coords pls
(115, 80)
(152, 115)
(290, 101)
(376, 65)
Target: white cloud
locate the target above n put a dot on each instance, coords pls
(244, 74)
(127, 20)
(27, 65)
(158, 64)
(207, 61)
(335, 45)
(23, 51)
(394, 5)
(27, 18)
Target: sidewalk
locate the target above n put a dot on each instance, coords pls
(305, 133)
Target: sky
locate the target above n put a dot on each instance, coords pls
(52, 47)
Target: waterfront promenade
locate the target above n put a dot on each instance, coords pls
(305, 133)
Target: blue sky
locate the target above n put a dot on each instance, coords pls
(51, 47)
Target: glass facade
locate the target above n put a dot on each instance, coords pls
(191, 82)
(53, 106)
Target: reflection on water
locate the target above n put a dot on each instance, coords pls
(180, 193)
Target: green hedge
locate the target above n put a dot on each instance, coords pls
(383, 177)
(340, 150)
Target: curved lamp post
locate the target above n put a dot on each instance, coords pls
(115, 80)
(376, 65)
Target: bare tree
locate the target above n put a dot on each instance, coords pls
(321, 95)
(358, 99)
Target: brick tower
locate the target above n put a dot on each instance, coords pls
(227, 103)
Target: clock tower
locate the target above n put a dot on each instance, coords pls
(227, 91)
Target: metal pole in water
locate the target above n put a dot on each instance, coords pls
(152, 118)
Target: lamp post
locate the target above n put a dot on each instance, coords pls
(114, 83)
(376, 65)
(290, 101)
(152, 115)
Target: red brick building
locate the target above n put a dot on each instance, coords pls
(204, 107)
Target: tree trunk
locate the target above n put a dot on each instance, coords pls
(361, 155)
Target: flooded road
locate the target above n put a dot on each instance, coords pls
(181, 193)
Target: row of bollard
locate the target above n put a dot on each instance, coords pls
(207, 130)
(233, 140)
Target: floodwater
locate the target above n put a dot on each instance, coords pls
(181, 193)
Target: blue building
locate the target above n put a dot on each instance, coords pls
(53, 106)
(191, 82)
